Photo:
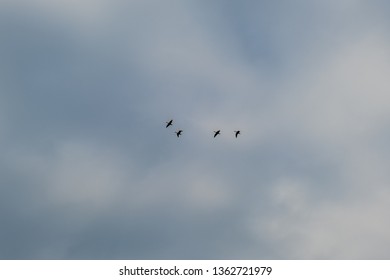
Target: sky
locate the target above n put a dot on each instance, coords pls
(89, 171)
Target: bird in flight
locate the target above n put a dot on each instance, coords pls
(237, 132)
(169, 123)
(178, 133)
(217, 133)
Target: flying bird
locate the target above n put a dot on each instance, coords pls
(169, 123)
(217, 133)
(178, 133)
(237, 132)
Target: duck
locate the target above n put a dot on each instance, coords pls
(178, 133)
(217, 133)
(169, 123)
(237, 132)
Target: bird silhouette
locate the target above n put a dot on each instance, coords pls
(237, 132)
(169, 123)
(217, 133)
(178, 133)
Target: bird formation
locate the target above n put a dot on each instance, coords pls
(216, 133)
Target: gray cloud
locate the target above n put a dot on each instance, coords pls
(88, 170)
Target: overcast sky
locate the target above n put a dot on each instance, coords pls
(89, 171)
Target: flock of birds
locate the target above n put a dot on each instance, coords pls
(216, 133)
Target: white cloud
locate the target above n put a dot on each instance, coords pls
(300, 226)
(193, 188)
(86, 177)
(349, 95)
(341, 107)
(356, 228)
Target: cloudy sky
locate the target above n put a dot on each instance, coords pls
(89, 171)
